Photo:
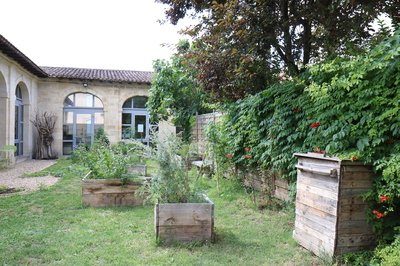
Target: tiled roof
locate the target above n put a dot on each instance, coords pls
(10, 50)
(129, 76)
(99, 74)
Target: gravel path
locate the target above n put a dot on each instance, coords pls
(13, 177)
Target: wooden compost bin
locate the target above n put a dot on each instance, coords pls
(184, 222)
(330, 213)
(110, 193)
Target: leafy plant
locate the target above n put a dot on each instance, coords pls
(172, 183)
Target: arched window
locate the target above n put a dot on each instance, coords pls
(83, 116)
(135, 119)
(19, 122)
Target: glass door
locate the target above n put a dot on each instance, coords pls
(80, 127)
(135, 125)
(19, 128)
(84, 132)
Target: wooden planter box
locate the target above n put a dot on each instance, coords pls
(138, 169)
(110, 193)
(184, 222)
(330, 213)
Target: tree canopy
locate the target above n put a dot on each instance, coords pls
(244, 45)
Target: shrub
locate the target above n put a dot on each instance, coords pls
(172, 182)
(388, 255)
(347, 107)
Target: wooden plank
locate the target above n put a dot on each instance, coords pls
(185, 215)
(184, 222)
(283, 183)
(110, 200)
(282, 194)
(316, 225)
(345, 192)
(329, 184)
(325, 239)
(312, 243)
(317, 191)
(318, 202)
(184, 233)
(356, 240)
(320, 217)
(356, 183)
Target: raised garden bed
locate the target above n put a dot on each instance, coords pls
(331, 216)
(110, 193)
(184, 222)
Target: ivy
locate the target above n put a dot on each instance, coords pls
(348, 107)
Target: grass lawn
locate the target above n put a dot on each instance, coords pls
(50, 226)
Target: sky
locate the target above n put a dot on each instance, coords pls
(113, 34)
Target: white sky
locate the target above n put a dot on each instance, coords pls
(113, 34)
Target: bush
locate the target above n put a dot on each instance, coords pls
(388, 255)
(108, 161)
(172, 183)
(348, 108)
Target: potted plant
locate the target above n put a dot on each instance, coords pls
(108, 183)
(182, 213)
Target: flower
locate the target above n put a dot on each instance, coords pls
(229, 155)
(248, 156)
(378, 214)
(354, 158)
(315, 124)
(383, 198)
(247, 149)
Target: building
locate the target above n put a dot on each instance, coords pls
(83, 101)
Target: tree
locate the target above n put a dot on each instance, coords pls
(174, 92)
(244, 45)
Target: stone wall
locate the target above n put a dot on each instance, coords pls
(12, 74)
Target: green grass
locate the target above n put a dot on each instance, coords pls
(50, 226)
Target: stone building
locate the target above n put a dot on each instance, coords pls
(83, 101)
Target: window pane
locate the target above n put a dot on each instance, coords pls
(67, 132)
(16, 122)
(139, 101)
(67, 148)
(126, 118)
(69, 101)
(97, 102)
(83, 100)
(68, 117)
(140, 126)
(127, 103)
(98, 118)
(127, 132)
(83, 129)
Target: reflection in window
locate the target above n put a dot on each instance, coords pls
(83, 117)
(135, 119)
(80, 99)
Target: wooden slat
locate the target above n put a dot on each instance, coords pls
(318, 202)
(184, 221)
(318, 181)
(356, 240)
(312, 243)
(316, 225)
(317, 191)
(320, 217)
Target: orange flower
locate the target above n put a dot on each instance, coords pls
(247, 149)
(315, 124)
(383, 198)
(378, 214)
(247, 156)
(229, 155)
(354, 158)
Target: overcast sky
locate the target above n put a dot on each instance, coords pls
(113, 34)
